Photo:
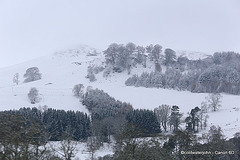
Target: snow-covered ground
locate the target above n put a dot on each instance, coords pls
(192, 55)
(81, 151)
(62, 70)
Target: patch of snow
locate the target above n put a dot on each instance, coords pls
(81, 50)
(193, 55)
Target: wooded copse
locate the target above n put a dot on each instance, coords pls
(216, 73)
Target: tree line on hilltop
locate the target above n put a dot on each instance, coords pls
(216, 73)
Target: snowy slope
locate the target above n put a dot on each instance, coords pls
(62, 70)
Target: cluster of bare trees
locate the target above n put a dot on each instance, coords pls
(169, 117)
(121, 57)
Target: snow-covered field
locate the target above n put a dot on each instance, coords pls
(62, 70)
(81, 151)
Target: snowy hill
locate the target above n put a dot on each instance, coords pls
(62, 70)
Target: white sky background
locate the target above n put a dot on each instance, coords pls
(32, 28)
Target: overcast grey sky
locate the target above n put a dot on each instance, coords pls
(32, 28)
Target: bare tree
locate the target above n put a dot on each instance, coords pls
(33, 95)
(214, 101)
(78, 90)
(16, 78)
(203, 116)
(162, 113)
(214, 135)
(67, 149)
(204, 107)
(32, 74)
(130, 143)
(92, 146)
(90, 74)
